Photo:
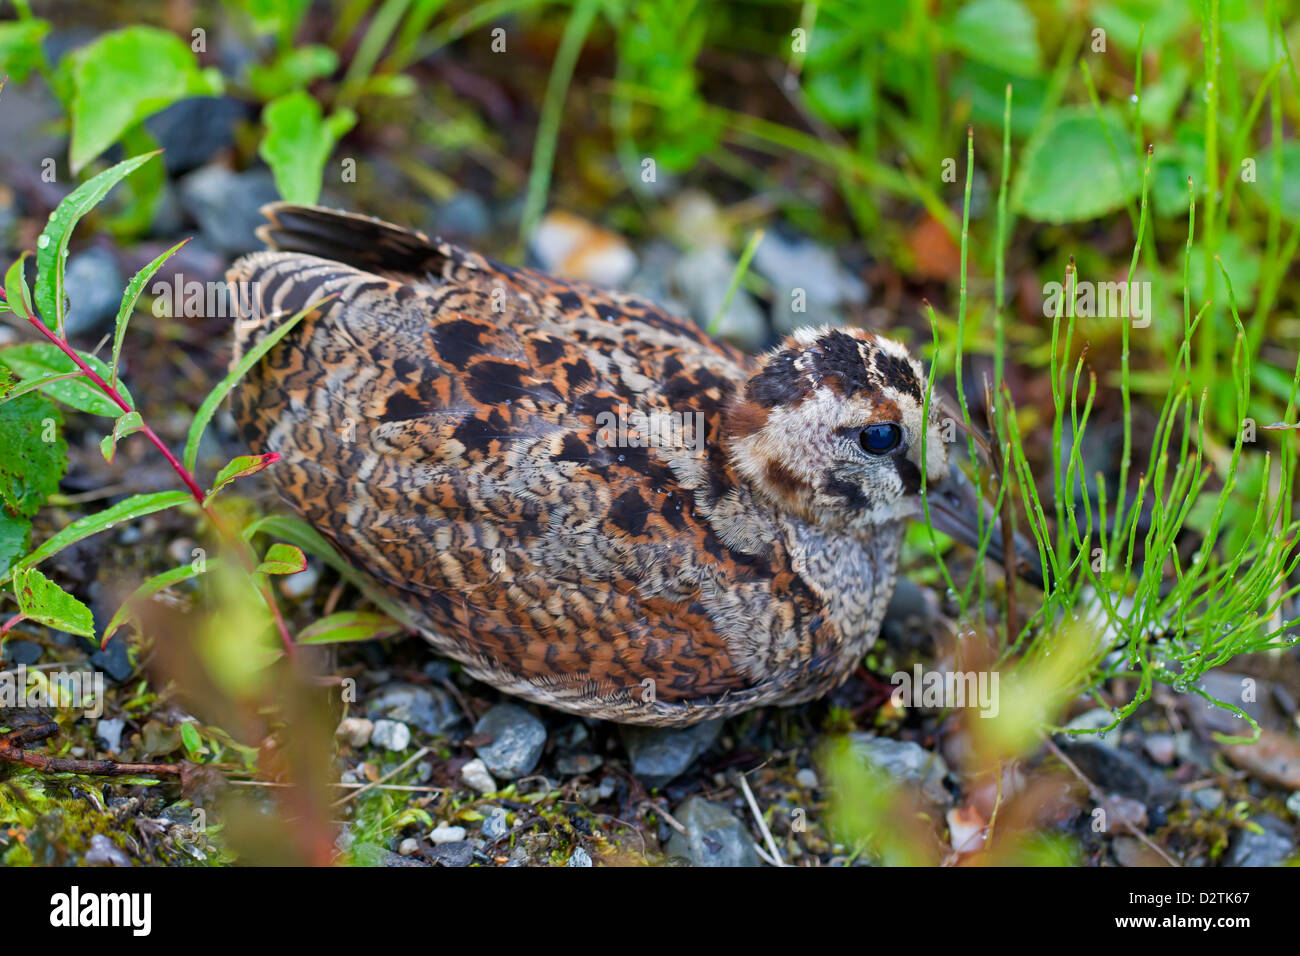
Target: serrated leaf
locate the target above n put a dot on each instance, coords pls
(46, 603)
(151, 586)
(241, 467)
(222, 389)
(31, 467)
(125, 76)
(137, 506)
(298, 142)
(346, 626)
(127, 424)
(283, 559)
(51, 247)
(35, 360)
(1069, 174)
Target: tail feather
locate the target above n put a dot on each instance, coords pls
(359, 241)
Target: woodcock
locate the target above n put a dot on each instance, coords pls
(585, 501)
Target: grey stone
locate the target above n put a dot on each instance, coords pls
(226, 205)
(104, 852)
(453, 854)
(1293, 804)
(579, 857)
(391, 735)
(191, 131)
(906, 762)
(1208, 799)
(94, 287)
(1271, 847)
(571, 763)
(115, 662)
(446, 834)
(714, 837)
(702, 276)
(109, 732)
(475, 773)
(1116, 770)
(1161, 748)
(496, 825)
(22, 652)
(464, 216)
(659, 754)
(517, 741)
(370, 854)
(1094, 720)
(428, 708)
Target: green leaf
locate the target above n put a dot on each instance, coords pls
(250, 358)
(14, 533)
(45, 602)
(125, 76)
(127, 424)
(283, 559)
(129, 300)
(36, 360)
(241, 467)
(30, 467)
(159, 582)
(1069, 174)
(1001, 33)
(20, 47)
(349, 626)
(16, 291)
(292, 70)
(52, 246)
(298, 142)
(192, 741)
(137, 506)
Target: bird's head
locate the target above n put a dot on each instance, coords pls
(829, 429)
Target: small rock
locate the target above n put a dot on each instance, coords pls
(391, 735)
(115, 662)
(104, 852)
(517, 741)
(355, 730)
(464, 216)
(428, 708)
(1161, 748)
(607, 787)
(298, 586)
(714, 837)
(1271, 847)
(966, 827)
(495, 826)
(1125, 810)
(1208, 799)
(804, 269)
(191, 131)
(573, 248)
(453, 854)
(475, 773)
(1274, 758)
(660, 754)
(370, 854)
(702, 277)
(807, 778)
(21, 652)
(1094, 719)
(906, 762)
(1131, 852)
(227, 205)
(446, 834)
(409, 847)
(109, 733)
(1293, 804)
(1117, 770)
(572, 764)
(94, 288)
(579, 857)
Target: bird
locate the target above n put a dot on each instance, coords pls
(587, 502)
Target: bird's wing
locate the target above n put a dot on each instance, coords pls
(469, 433)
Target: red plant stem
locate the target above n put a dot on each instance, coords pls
(116, 397)
(11, 622)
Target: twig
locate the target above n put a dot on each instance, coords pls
(1101, 798)
(388, 776)
(762, 824)
(11, 751)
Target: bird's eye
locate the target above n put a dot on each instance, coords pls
(880, 439)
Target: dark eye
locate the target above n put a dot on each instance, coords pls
(880, 439)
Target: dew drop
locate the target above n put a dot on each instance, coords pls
(43, 241)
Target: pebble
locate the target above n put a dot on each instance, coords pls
(355, 730)
(1117, 770)
(607, 787)
(1293, 804)
(453, 854)
(226, 204)
(109, 732)
(800, 265)
(907, 762)
(496, 825)
(298, 586)
(1208, 799)
(94, 288)
(1124, 810)
(446, 834)
(1271, 847)
(428, 708)
(475, 773)
(517, 741)
(409, 847)
(807, 778)
(1161, 748)
(573, 248)
(572, 763)
(702, 277)
(104, 852)
(464, 216)
(579, 857)
(391, 734)
(1094, 719)
(659, 754)
(714, 837)
(191, 131)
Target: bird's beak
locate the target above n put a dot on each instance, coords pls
(955, 508)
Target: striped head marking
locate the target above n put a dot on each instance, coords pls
(829, 429)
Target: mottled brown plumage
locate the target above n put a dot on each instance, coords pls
(451, 424)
